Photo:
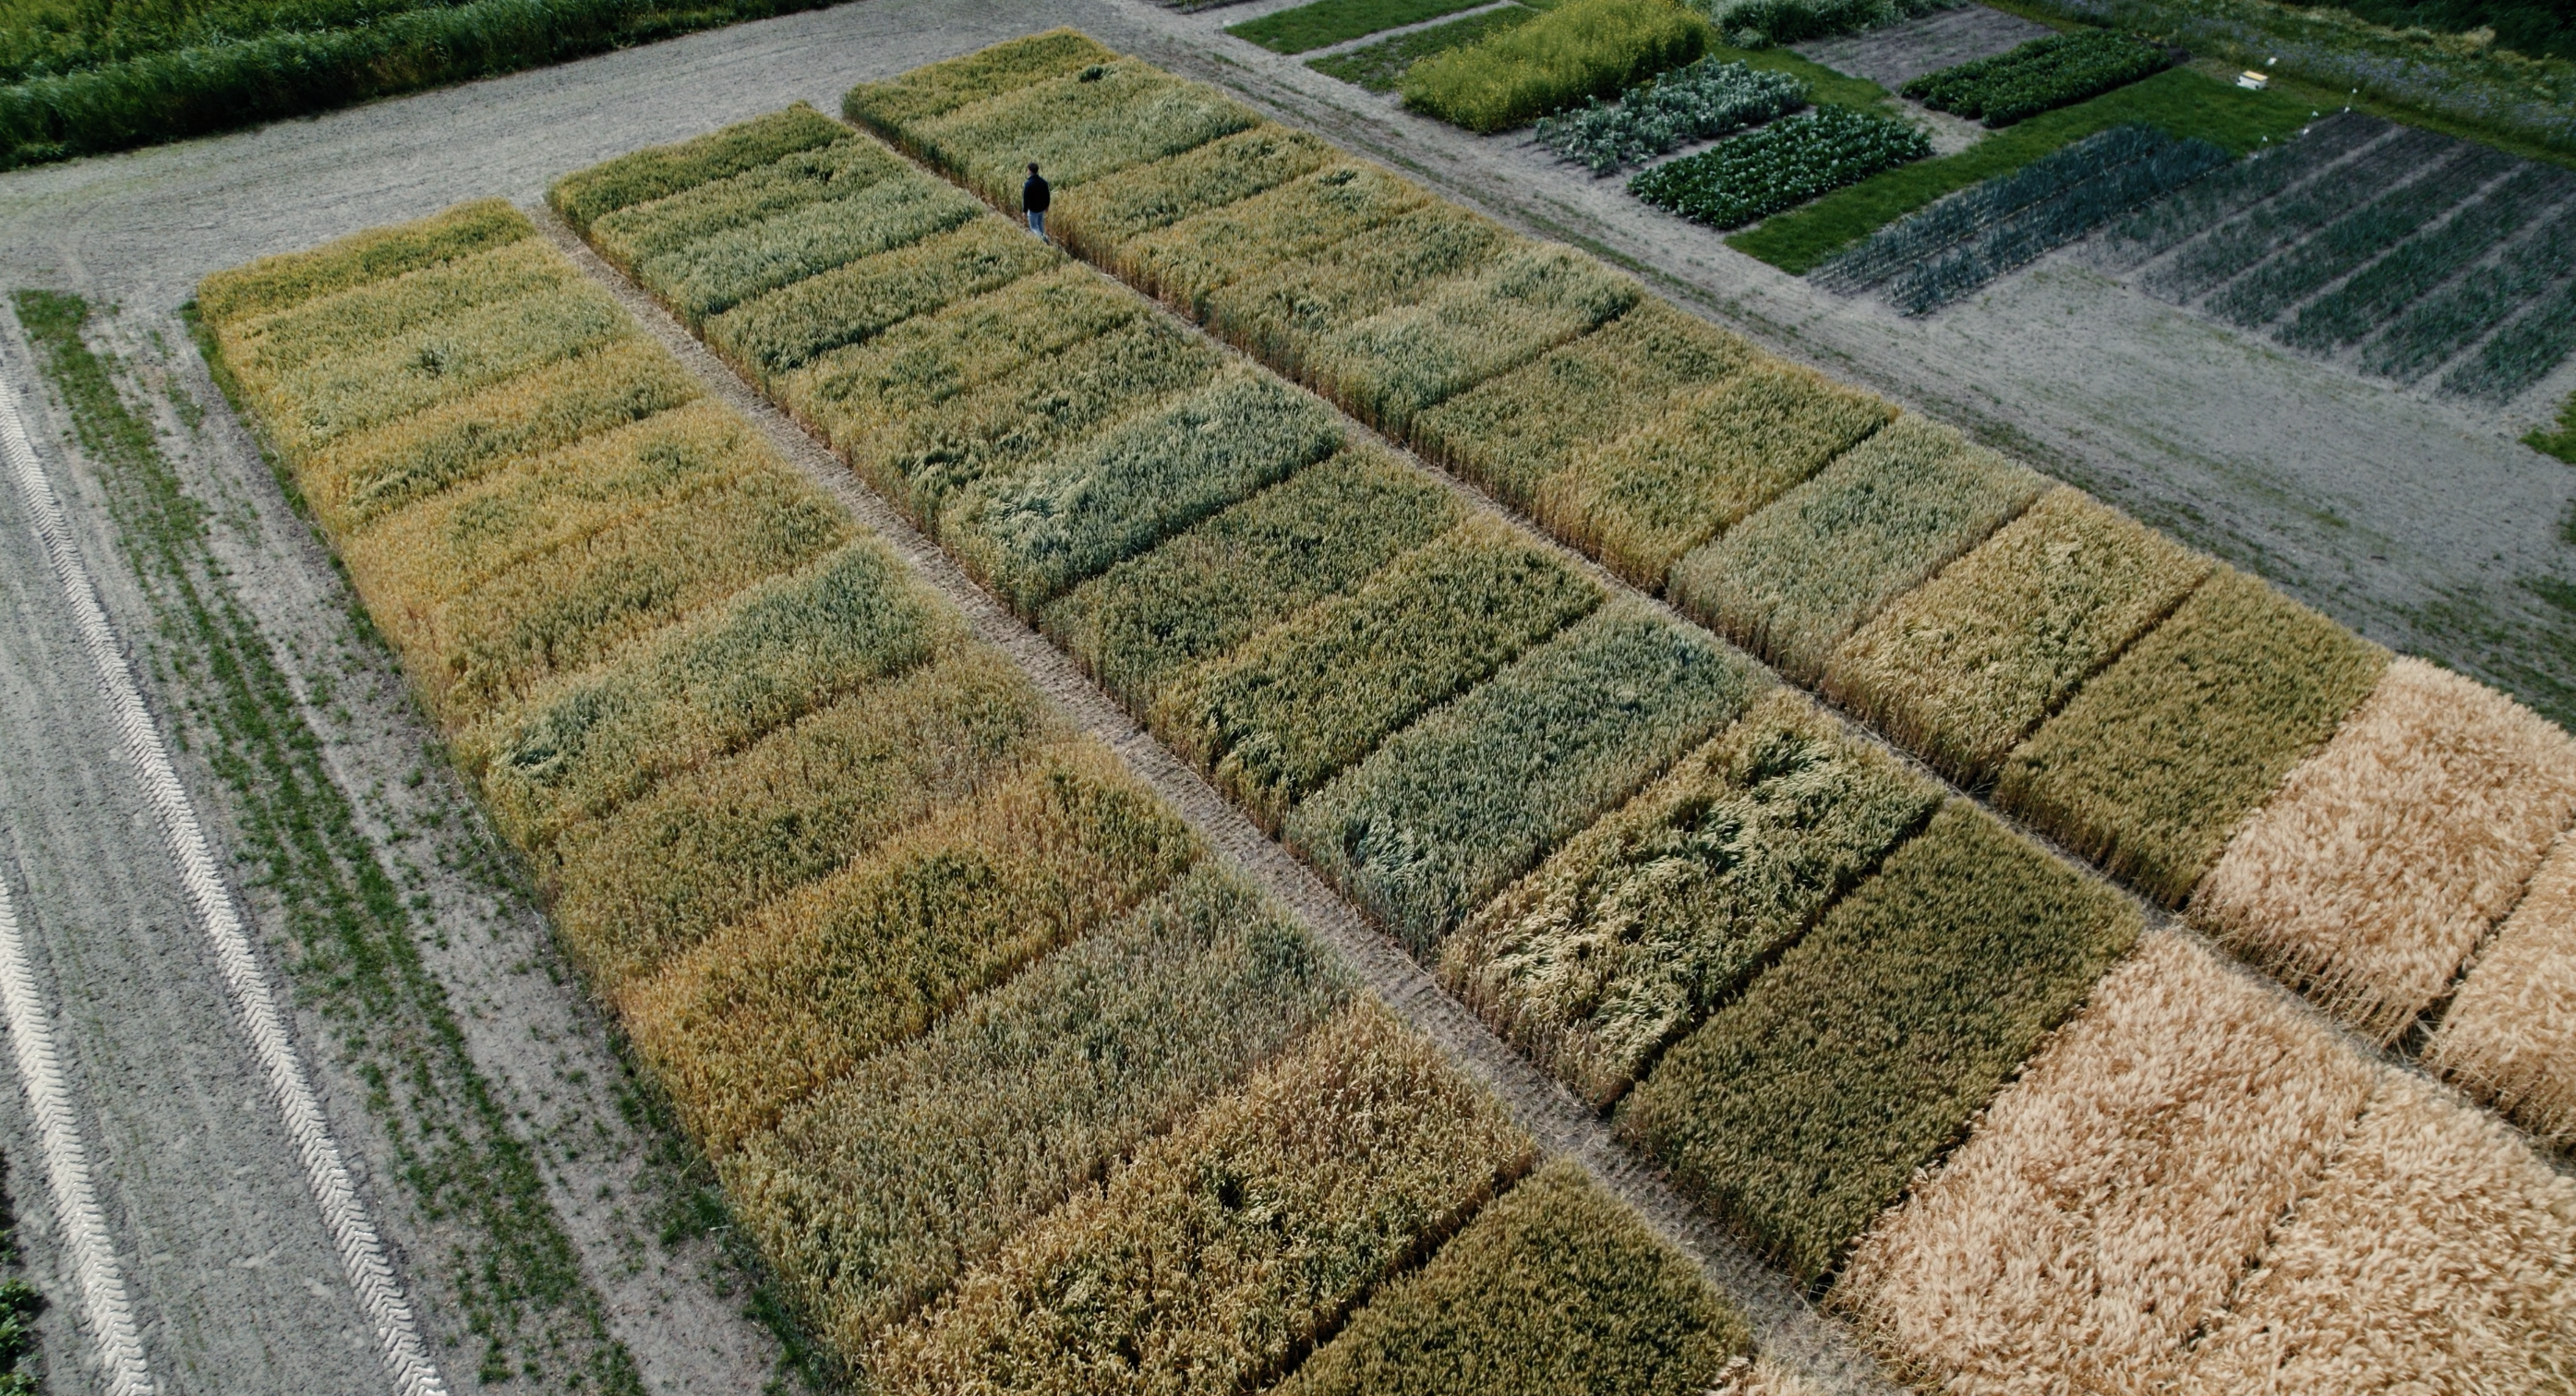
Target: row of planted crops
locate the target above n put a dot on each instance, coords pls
(1021, 1089)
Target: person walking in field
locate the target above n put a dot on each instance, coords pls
(1034, 196)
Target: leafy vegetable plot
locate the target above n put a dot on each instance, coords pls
(1779, 166)
(1645, 922)
(1802, 1109)
(1705, 100)
(1584, 48)
(1553, 1288)
(2042, 75)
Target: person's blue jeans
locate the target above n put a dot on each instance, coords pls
(1037, 221)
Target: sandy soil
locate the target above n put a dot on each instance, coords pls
(1946, 38)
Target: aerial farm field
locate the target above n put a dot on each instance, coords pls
(1381, 766)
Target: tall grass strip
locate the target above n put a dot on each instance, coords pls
(663, 170)
(2383, 860)
(769, 1010)
(265, 347)
(1077, 129)
(2450, 320)
(1779, 166)
(1282, 314)
(565, 610)
(1584, 48)
(710, 846)
(2153, 763)
(786, 328)
(1641, 501)
(2437, 1253)
(1889, 513)
(1275, 719)
(1389, 367)
(369, 475)
(1187, 261)
(1236, 1241)
(876, 1195)
(1447, 811)
(2509, 1036)
(632, 234)
(712, 685)
(894, 106)
(1964, 667)
(1642, 924)
(289, 279)
(1556, 1287)
(1032, 535)
(2371, 300)
(2106, 1205)
(1706, 100)
(1803, 1108)
(1100, 217)
(410, 561)
(1318, 534)
(2241, 242)
(1513, 431)
(2169, 222)
(862, 392)
(2261, 295)
(716, 273)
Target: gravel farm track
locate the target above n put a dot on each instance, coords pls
(2411, 519)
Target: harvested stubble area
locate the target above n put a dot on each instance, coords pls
(938, 985)
(1636, 856)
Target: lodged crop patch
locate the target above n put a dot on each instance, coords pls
(2042, 75)
(1804, 1107)
(1583, 48)
(1780, 166)
(1646, 921)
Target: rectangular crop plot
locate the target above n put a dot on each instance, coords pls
(1962, 668)
(1780, 166)
(1270, 1214)
(720, 271)
(1642, 924)
(292, 278)
(1444, 813)
(2158, 759)
(766, 1012)
(1032, 534)
(2169, 222)
(2432, 1208)
(1802, 1109)
(708, 847)
(1100, 218)
(2443, 324)
(2109, 1201)
(874, 1196)
(1511, 432)
(270, 346)
(891, 107)
(1641, 501)
(2042, 75)
(1794, 579)
(1077, 128)
(787, 328)
(2247, 239)
(1275, 719)
(840, 170)
(1323, 23)
(1584, 48)
(1284, 313)
(2262, 294)
(2509, 1036)
(663, 170)
(1191, 259)
(1554, 1287)
(2381, 861)
(1315, 535)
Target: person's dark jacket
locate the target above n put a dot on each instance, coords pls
(1034, 195)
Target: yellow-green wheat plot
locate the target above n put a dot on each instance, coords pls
(2509, 1035)
(2381, 861)
(892, 107)
(292, 278)
(1190, 260)
(1100, 218)
(663, 170)
(2110, 1199)
(1963, 667)
(1080, 127)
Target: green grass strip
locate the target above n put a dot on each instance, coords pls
(1328, 22)
(2180, 101)
(1380, 67)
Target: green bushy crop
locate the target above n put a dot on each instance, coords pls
(1513, 431)
(892, 107)
(1960, 669)
(786, 328)
(878, 1193)
(1445, 812)
(1099, 218)
(1585, 48)
(660, 171)
(2042, 75)
(1278, 717)
(2156, 761)
(709, 847)
(1315, 535)
(1034, 533)
(1802, 1109)
(627, 236)
(1780, 166)
(1645, 922)
(1554, 1288)
(1791, 581)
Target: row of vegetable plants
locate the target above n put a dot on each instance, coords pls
(2041, 75)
